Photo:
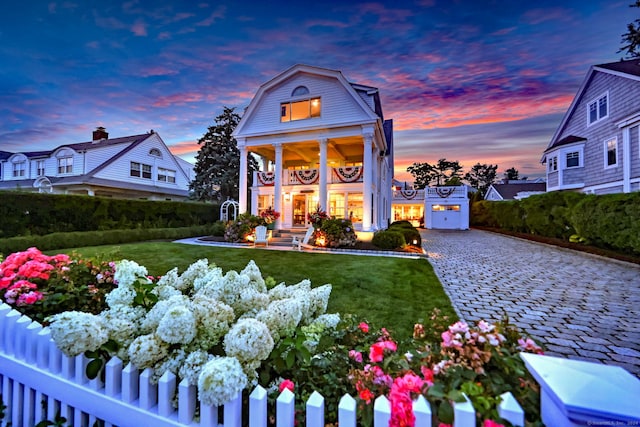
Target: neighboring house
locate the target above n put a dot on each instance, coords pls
(596, 147)
(137, 166)
(514, 190)
(322, 142)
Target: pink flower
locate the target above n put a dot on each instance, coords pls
(401, 406)
(529, 345)
(366, 395)
(29, 298)
(376, 351)
(444, 425)
(410, 382)
(491, 423)
(355, 355)
(427, 374)
(363, 327)
(286, 384)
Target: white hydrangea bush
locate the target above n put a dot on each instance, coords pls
(213, 329)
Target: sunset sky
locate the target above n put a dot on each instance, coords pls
(473, 81)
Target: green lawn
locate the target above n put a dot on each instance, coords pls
(389, 292)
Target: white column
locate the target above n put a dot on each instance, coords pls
(626, 160)
(322, 197)
(367, 165)
(242, 202)
(277, 185)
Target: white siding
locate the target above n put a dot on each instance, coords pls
(99, 155)
(338, 106)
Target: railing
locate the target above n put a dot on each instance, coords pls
(448, 192)
(408, 195)
(345, 174)
(38, 381)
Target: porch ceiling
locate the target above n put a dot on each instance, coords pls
(348, 149)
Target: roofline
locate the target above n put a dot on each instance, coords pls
(616, 73)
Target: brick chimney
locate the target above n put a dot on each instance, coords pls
(99, 134)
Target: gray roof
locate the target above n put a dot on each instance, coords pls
(509, 191)
(631, 67)
(565, 141)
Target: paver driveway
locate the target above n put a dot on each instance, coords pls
(580, 306)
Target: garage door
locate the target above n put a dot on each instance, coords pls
(446, 217)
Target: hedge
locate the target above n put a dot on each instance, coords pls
(24, 214)
(609, 221)
(95, 238)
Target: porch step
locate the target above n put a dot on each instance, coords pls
(284, 237)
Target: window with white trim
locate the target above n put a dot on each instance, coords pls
(300, 110)
(40, 167)
(19, 169)
(573, 159)
(140, 170)
(553, 164)
(155, 152)
(598, 109)
(611, 152)
(65, 165)
(166, 175)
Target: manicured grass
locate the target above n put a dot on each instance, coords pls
(389, 292)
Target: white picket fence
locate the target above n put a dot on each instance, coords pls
(38, 381)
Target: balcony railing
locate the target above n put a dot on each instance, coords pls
(447, 192)
(408, 195)
(345, 174)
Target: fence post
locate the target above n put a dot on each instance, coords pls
(422, 412)
(258, 407)
(113, 377)
(463, 413)
(166, 391)
(510, 410)
(186, 401)
(233, 412)
(347, 411)
(148, 391)
(285, 409)
(31, 347)
(381, 412)
(315, 410)
(130, 381)
(10, 321)
(42, 352)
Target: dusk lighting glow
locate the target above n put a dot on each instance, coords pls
(473, 81)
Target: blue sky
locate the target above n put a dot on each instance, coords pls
(473, 81)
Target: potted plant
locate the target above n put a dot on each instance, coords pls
(269, 216)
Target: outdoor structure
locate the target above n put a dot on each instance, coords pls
(323, 143)
(137, 166)
(447, 207)
(596, 147)
(407, 204)
(514, 190)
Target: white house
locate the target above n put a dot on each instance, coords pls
(595, 148)
(323, 142)
(515, 190)
(137, 166)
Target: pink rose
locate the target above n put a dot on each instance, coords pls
(355, 355)
(491, 423)
(287, 384)
(363, 327)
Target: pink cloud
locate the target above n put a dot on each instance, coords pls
(157, 71)
(184, 147)
(217, 14)
(139, 28)
(178, 99)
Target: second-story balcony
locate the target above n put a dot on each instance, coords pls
(408, 196)
(447, 192)
(339, 175)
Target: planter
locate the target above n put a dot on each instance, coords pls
(271, 225)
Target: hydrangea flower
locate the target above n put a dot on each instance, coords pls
(192, 366)
(75, 332)
(248, 340)
(128, 272)
(146, 350)
(220, 381)
(177, 326)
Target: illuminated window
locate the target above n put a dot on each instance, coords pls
(442, 208)
(65, 165)
(611, 152)
(300, 110)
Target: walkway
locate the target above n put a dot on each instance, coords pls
(580, 306)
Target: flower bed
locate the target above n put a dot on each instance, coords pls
(227, 332)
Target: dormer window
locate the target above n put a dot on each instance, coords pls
(300, 110)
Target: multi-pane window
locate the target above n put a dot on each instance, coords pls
(19, 169)
(65, 165)
(40, 167)
(300, 110)
(553, 164)
(611, 152)
(140, 170)
(598, 109)
(166, 175)
(573, 159)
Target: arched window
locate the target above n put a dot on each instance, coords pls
(155, 152)
(300, 91)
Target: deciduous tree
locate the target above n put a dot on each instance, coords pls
(511, 174)
(424, 174)
(481, 176)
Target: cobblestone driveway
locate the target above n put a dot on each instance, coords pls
(580, 306)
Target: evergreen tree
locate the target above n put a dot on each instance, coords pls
(217, 167)
(631, 39)
(511, 174)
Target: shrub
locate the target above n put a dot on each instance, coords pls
(549, 214)
(338, 233)
(388, 239)
(218, 228)
(409, 232)
(238, 230)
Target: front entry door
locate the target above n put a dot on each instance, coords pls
(300, 210)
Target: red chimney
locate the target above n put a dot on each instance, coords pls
(100, 133)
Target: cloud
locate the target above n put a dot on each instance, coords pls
(139, 28)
